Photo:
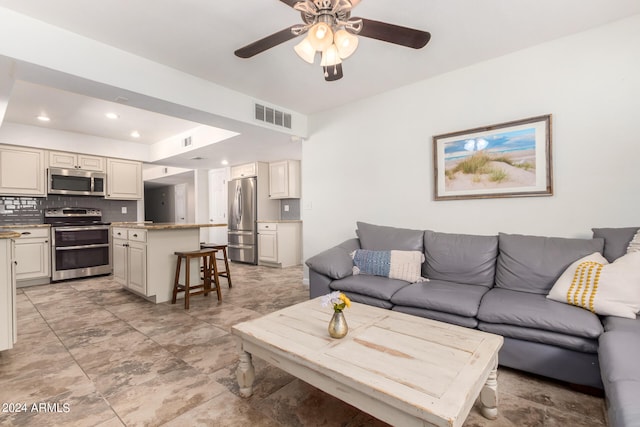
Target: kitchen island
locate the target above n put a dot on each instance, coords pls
(143, 256)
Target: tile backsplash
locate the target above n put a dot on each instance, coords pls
(293, 206)
(30, 210)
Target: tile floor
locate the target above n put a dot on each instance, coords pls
(92, 354)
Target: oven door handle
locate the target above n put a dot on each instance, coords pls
(71, 248)
(81, 228)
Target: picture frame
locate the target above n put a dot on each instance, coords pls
(511, 159)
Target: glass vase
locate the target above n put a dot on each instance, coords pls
(338, 327)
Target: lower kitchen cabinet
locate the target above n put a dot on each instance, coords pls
(144, 261)
(279, 243)
(33, 256)
(8, 319)
(130, 259)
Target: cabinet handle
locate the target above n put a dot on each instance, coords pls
(25, 233)
(135, 235)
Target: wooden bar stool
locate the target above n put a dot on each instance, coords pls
(208, 257)
(226, 272)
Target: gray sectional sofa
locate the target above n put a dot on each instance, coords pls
(499, 284)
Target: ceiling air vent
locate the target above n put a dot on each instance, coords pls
(186, 142)
(273, 116)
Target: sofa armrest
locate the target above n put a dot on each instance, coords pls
(336, 262)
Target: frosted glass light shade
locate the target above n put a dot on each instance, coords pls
(320, 36)
(305, 50)
(346, 43)
(330, 57)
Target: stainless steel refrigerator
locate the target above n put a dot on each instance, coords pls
(243, 230)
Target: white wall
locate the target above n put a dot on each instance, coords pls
(372, 160)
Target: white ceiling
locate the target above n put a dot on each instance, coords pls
(200, 36)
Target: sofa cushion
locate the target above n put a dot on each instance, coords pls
(534, 263)
(383, 238)
(606, 289)
(402, 265)
(454, 319)
(618, 355)
(336, 262)
(622, 400)
(615, 323)
(616, 240)
(460, 258)
(364, 299)
(373, 286)
(581, 344)
(438, 295)
(528, 310)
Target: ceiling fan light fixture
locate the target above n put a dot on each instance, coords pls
(320, 36)
(345, 42)
(305, 50)
(330, 57)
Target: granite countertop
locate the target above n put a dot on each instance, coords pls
(5, 227)
(162, 225)
(280, 221)
(9, 234)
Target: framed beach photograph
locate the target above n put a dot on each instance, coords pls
(505, 160)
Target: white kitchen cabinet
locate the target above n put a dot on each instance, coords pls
(284, 179)
(268, 243)
(65, 160)
(120, 261)
(33, 256)
(279, 243)
(8, 314)
(22, 171)
(138, 267)
(144, 261)
(124, 180)
(243, 171)
(130, 259)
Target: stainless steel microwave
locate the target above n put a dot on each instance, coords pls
(76, 182)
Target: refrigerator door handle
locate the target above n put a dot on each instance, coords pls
(239, 204)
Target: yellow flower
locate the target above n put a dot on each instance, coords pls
(345, 300)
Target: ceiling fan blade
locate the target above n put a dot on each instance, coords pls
(290, 2)
(332, 72)
(266, 43)
(395, 34)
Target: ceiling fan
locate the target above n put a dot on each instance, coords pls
(332, 31)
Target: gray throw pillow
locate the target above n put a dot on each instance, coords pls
(616, 240)
(382, 238)
(534, 263)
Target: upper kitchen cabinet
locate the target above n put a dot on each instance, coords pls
(124, 180)
(22, 171)
(284, 179)
(61, 159)
(244, 171)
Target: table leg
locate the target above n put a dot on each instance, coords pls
(245, 374)
(489, 395)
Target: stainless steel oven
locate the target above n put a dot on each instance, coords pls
(80, 243)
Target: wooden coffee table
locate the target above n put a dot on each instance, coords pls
(402, 369)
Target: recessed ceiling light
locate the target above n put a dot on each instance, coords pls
(44, 118)
(224, 162)
(135, 134)
(112, 116)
